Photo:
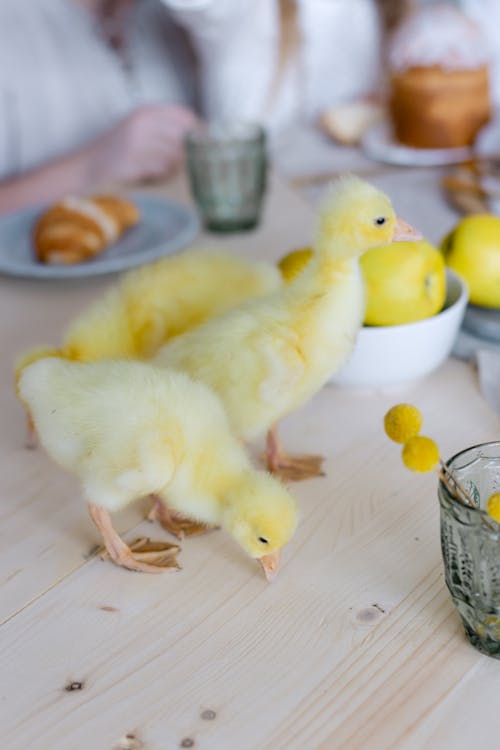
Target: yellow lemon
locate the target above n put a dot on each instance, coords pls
(472, 249)
(405, 282)
(293, 263)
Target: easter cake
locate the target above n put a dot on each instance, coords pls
(439, 79)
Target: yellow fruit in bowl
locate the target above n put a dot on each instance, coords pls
(405, 282)
(472, 249)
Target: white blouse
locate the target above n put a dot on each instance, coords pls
(237, 42)
(61, 85)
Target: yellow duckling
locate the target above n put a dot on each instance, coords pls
(157, 302)
(128, 429)
(270, 355)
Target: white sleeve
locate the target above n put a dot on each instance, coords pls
(59, 86)
(10, 114)
(8, 131)
(236, 42)
(341, 42)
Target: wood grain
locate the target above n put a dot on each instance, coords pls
(45, 533)
(356, 645)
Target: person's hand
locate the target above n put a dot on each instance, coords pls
(146, 144)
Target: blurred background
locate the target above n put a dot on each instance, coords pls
(104, 91)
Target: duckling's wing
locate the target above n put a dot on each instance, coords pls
(239, 355)
(282, 367)
(113, 486)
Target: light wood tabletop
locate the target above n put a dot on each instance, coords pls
(356, 645)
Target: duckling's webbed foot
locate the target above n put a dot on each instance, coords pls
(175, 523)
(143, 555)
(290, 468)
(296, 468)
(158, 556)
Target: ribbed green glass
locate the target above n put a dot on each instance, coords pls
(227, 168)
(470, 544)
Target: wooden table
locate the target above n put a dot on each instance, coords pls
(357, 644)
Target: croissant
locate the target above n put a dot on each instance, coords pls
(77, 229)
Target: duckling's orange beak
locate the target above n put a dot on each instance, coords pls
(271, 564)
(404, 232)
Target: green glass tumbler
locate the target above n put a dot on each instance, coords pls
(227, 168)
(470, 544)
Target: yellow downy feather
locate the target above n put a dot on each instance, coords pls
(127, 429)
(158, 301)
(269, 355)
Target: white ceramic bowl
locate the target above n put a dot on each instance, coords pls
(390, 355)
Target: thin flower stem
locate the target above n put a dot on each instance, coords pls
(453, 490)
(446, 475)
(446, 472)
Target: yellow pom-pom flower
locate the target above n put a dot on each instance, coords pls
(493, 507)
(420, 453)
(403, 422)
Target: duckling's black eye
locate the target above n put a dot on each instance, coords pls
(380, 220)
(263, 540)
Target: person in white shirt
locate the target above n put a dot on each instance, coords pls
(62, 87)
(95, 91)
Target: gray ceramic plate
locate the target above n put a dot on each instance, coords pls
(165, 226)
